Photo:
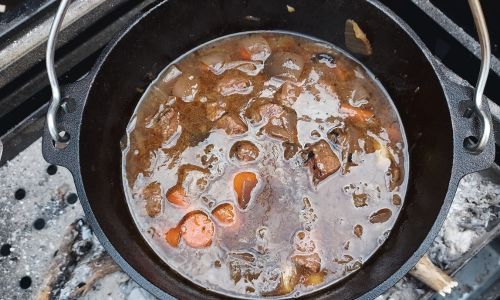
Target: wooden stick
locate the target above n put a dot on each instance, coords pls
(433, 277)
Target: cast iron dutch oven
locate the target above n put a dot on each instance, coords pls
(430, 105)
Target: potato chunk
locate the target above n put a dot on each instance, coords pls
(186, 87)
(285, 64)
(254, 48)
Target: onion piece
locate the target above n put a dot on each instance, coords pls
(254, 48)
(186, 87)
(215, 61)
(356, 40)
(250, 68)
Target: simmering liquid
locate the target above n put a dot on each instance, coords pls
(265, 164)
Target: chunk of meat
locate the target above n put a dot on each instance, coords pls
(254, 48)
(252, 112)
(178, 197)
(396, 175)
(310, 263)
(243, 185)
(285, 64)
(186, 87)
(173, 236)
(281, 124)
(396, 199)
(242, 265)
(244, 151)
(215, 110)
(381, 216)
(232, 124)
(288, 94)
(358, 230)
(321, 160)
(197, 229)
(231, 85)
(225, 214)
(290, 150)
(166, 123)
(152, 195)
(360, 199)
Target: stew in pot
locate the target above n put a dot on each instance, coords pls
(265, 164)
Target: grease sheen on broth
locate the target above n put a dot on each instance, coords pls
(265, 164)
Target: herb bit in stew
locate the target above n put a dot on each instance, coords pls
(266, 164)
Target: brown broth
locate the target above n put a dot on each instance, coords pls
(298, 214)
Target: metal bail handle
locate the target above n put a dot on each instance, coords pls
(484, 40)
(57, 136)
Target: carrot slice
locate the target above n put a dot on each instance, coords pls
(197, 229)
(173, 236)
(177, 196)
(357, 114)
(245, 54)
(224, 213)
(244, 183)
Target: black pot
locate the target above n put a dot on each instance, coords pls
(430, 105)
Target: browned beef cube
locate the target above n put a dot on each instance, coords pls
(232, 124)
(321, 160)
(167, 123)
(244, 151)
(310, 263)
(281, 124)
(152, 195)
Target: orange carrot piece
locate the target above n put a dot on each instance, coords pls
(224, 213)
(245, 54)
(244, 183)
(177, 196)
(173, 236)
(356, 113)
(197, 229)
